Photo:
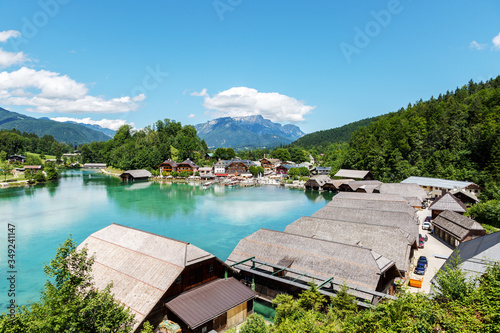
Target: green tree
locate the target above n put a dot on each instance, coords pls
(487, 212)
(51, 171)
(7, 170)
(451, 282)
(39, 177)
(312, 299)
(253, 170)
(255, 323)
(343, 303)
(224, 154)
(282, 154)
(3, 156)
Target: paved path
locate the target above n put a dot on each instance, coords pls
(433, 246)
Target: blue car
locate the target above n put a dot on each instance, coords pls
(420, 269)
(422, 260)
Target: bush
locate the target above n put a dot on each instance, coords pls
(254, 324)
(486, 212)
(39, 177)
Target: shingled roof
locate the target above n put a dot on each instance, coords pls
(456, 224)
(403, 189)
(360, 214)
(391, 242)
(448, 202)
(357, 266)
(137, 173)
(355, 174)
(141, 265)
(437, 182)
(372, 201)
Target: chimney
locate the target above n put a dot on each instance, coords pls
(443, 191)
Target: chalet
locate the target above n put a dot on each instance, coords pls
(283, 169)
(476, 255)
(415, 194)
(131, 175)
(92, 165)
(220, 167)
(238, 167)
(187, 165)
(33, 168)
(316, 182)
(354, 174)
(269, 163)
(321, 171)
(389, 241)
(288, 263)
(435, 186)
(454, 228)
(468, 198)
(167, 167)
(17, 158)
(155, 276)
(447, 202)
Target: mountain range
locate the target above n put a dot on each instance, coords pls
(70, 133)
(246, 132)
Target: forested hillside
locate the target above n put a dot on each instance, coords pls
(14, 142)
(148, 147)
(334, 135)
(453, 136)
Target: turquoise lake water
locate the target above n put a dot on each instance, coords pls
(82, 202)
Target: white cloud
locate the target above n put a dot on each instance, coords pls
(5, 35)
(113, 124)
(243, 101)
(496, 42)
(476, 45)
(202, 93)
(192, 115)
(44, 91)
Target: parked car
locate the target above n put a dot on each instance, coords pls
(422, 260)
(420, 269)
(427, 219)
(420, 243)
(426, 226)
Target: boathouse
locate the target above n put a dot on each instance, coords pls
(131, 175)
(415, 194)
(90, 165)
(354, 174)
(389, 241)
(278, 262)
(362, 186)
(447, 202)
(317, 182)
(155, 276)
(455, 228)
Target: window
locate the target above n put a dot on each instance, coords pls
(211, 268)
(204, 330)
(179, 279)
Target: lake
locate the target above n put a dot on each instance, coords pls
(82, 202)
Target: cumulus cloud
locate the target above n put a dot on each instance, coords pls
(45, 91)
(202, 93)
(192, 115)
(8, 59)
(113, 124)
(476, 45)
(243, 101)
(5, 35)
(496, 42)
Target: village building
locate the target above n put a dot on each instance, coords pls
(447, 202)
(132, 175)
(269, 163)
(17, 158)
(435, 186)
(389, 241)
(155, 276)
(92, 165)
(373, 201)
(206, 172)
(238, 167)
(33, 168)
(354, 174)
(278, 262)
(187, 165)
(220, 167)
(476, 255)
(283, 169)
(468, 198)
(316, 182)
(415, 194)
(167, 167)
(455, 228)
(321, 171)
(333, 185)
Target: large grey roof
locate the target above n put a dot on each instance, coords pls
(363, 214)
(141, 265)
(356, 174)
(138, 173)
(320, 180)
(391, 242)
(456, 224)
(367, 185)
(403, 189)
(357, 266)
(369, 196)
(436, 182)
(478, 253)
(448, 202)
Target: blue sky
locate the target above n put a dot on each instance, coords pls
(317, 64)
